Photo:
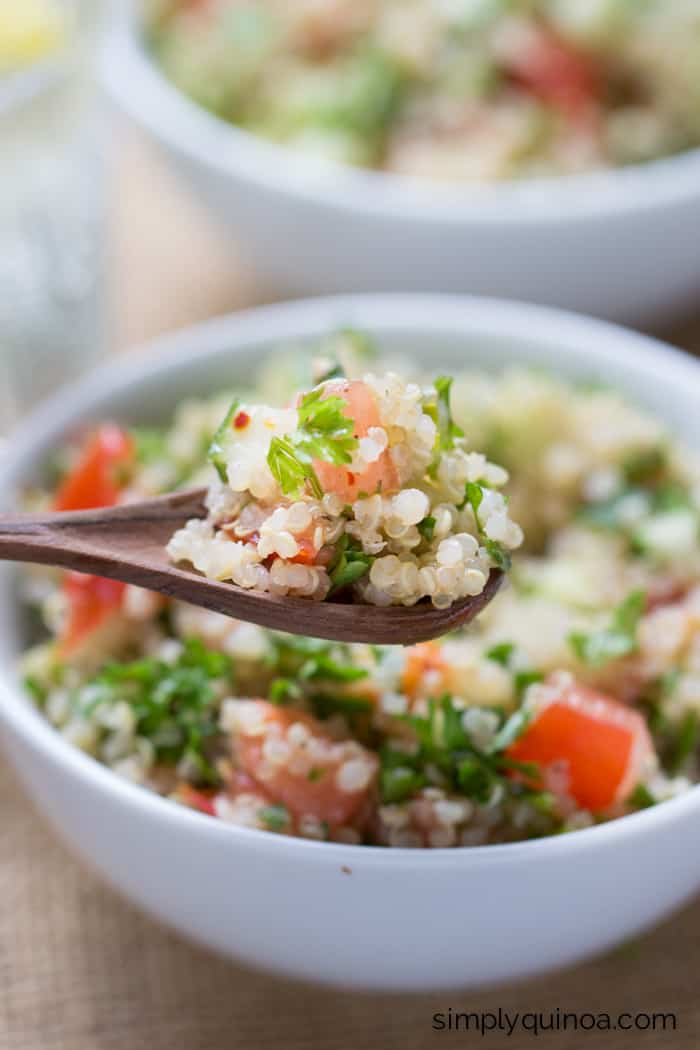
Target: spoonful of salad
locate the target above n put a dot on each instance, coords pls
(357, 514)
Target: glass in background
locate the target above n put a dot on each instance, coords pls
(52, 205)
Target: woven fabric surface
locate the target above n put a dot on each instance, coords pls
(80, 970)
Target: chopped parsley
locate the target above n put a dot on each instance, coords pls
(309, 659)
(274, 817)
(323, 432)
(216, 453)
(349, 564)
(440, 412)
(474, 495)
(175, 705)
(617, 640)
(426, 527)
(523, 677)
(446, 748)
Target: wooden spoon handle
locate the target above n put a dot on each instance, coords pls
(62, 538)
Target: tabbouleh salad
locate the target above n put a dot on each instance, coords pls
(573, 699)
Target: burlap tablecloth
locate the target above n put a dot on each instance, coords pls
(80, 970)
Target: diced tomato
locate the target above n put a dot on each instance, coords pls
(379, 476)
(90, 600)
(95, 480)
(421, 659)
(202, 801)
(600, 746)
(307, 783)
(307, 553)
(555, 71)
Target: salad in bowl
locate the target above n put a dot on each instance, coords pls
(530, 783)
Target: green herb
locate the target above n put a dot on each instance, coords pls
(512, 728)
(501, 653)
(312, 659)
(315, 774)
(523, 677)
(426, 527)
(642, 798)
(686, 743)
(445, 745)
(284, 690)
(175, 706)
(616, 641)
(289, 470)
(326, 706)
(440, 412)
(645, 465)
(323, 432)
(275, 817)
(474, 495)
(150, 443)
(216, 453)
(37, 690)
(349, 564)
(399, 783)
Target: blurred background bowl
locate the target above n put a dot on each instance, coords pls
(621, 244)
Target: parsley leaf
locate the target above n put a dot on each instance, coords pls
(175, 706)
(215, 455)
(349, 564)
(426, 527)
(618, 640)
(289, 470)
(323, 432)
(440, 412)
(274, 817)
(474, 495)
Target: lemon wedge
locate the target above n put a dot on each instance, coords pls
(30, 30)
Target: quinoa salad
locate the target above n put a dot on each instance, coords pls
(444, 89)
(573, 699)
(363, 488)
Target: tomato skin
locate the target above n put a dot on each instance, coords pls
(90, 600)
(94, 482)
(555, 71)
(379, 476)
(602, 745)
(421, 658)
(202, 801)
(318, 795)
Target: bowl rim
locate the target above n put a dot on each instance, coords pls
(134, 81)
(229, 335)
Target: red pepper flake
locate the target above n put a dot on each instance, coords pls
(241, 421)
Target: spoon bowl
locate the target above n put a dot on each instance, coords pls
(128, 543)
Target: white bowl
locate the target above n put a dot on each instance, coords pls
(355, 915)
(620, 244)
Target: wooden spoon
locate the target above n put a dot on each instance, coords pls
(128, 543)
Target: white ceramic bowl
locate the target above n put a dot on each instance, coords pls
(620, 244)
(354, 915)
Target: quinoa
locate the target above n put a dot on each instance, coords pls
(366, 488)
(493, 734)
